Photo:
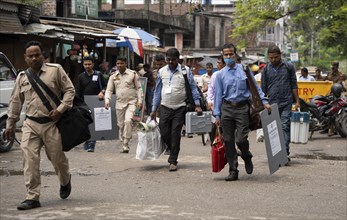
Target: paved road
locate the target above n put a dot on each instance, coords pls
(110, 185)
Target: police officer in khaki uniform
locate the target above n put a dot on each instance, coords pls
(129, 95)
(39, 127)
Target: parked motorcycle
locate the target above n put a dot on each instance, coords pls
(327, 111)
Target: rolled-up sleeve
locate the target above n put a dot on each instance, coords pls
(157, 92)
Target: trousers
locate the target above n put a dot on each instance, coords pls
(235, 125)
(170, 124)
(124, 116)
(34, 137)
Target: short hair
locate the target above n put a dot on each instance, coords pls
(122, 58)
(159, 57)
(209, 64)
(335, 63)
(33, 43)
(221, 59)
(274, 49)
(88, 58)
(229, 45)
(304, 69)
(146, 66)
(173, 52)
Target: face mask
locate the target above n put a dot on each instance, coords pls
(229, 61)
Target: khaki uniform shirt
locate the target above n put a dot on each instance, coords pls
(127, 87)
(205, 80)
(54, 76)
(335, 78)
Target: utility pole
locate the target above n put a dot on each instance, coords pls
(312, 50)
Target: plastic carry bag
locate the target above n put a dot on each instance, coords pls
(150, 145)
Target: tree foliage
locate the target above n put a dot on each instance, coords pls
(325, 19)
(35, 3)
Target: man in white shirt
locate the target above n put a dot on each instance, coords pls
(304, 76)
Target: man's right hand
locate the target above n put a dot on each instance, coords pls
(107, 105)
(9, 134)
(217, 122)
(153, 116)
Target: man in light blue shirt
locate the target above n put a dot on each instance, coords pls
(170, 93)
(231, 109)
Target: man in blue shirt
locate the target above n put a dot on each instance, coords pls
(279, 83)
(170, 94)
(232, 110)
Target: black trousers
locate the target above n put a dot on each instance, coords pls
(170, 124)
(235, 119)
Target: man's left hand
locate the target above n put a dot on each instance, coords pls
(55, 115)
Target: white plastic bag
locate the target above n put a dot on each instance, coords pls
(149, 146)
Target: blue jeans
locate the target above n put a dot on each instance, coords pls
(149, 97)
(285, 112)
(89, 144)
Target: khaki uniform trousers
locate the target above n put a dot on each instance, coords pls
(34, 136)
(124, 116)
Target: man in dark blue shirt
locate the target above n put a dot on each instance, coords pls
(232, 110)
(279, 83)
(90, 82)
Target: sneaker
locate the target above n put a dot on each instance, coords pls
(91, 149)
(125, 149)
(29, 204)
(172, 167)
(65, 190)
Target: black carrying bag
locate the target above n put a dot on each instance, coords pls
(73, 124)
(190, 101)
(255, 103)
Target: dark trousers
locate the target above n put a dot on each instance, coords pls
(170, 124)
(148, 101)
(235, 118)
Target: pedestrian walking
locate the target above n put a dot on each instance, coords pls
(279, 83)
(39, 127)
(129, 96)
(170, 94)
(231, 109)
(90, 82)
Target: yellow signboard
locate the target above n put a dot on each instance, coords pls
(308, 90)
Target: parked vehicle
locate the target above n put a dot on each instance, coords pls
(8, 76)
(327, 111)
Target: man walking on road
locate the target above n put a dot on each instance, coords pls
(279, 83)
(39, 127)
(170, 94)
(90, 82)
(125, 83)
(232, 110)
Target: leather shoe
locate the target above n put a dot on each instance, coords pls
(248, 166)
(234, 175)
(65, 190)
(29, 204)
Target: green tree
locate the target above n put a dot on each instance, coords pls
(35, 3)
(325, 19)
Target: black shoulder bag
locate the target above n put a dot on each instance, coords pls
(190, 100)
(73, 124)
(255, 103)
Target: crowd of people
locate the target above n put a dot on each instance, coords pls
(227, 93)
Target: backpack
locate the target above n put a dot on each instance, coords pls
(190, 100)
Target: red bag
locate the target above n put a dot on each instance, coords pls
(218, 153)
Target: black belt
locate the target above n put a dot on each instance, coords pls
(236, 104)
(40, 120)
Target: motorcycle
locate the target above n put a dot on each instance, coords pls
(6, 145)
(326, 111)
